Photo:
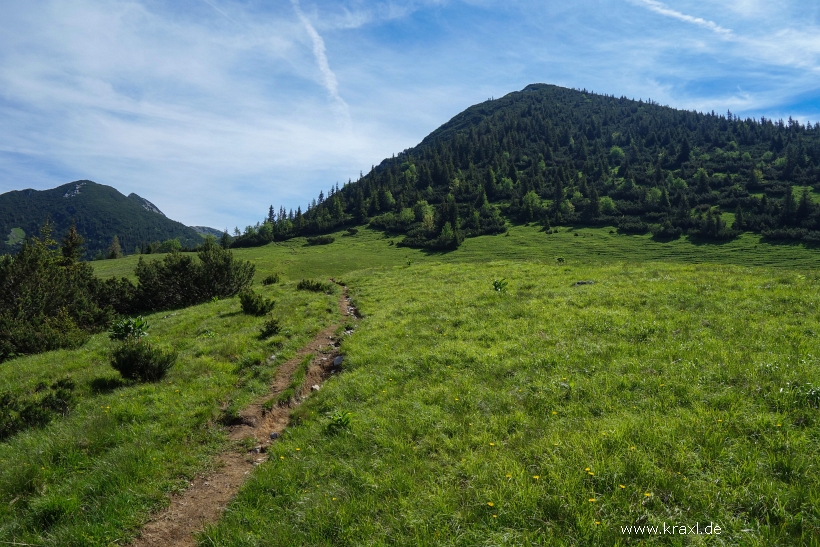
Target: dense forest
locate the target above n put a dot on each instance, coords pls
(559, 156)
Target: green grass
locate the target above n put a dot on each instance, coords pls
(663, 392)
(690, 353)
(94, 477)
(295, 385)
(370, 249)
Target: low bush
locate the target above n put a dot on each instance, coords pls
(38, 334)
(352, 231)
(630, 225)
(269, 328)
(178, 281)
(320, 240)
(47, 297)
(136, 359)
(665, 231)
(255, 304)
(21, 411)
(313, 285)
(272, 279)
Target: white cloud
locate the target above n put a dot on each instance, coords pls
(662, 9)
(203, 119)
(214, 109)
(328, 77)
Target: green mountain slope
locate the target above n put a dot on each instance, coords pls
(100, 212)
(559, 156)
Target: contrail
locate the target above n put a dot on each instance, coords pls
(220, 11)
(662, 9)
(328, 77)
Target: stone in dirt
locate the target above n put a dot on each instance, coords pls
(315, 387)
(274, 435)
(338, 360)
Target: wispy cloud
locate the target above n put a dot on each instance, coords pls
(662, 9)
(328, 77)
(221, 12)
(214, 109)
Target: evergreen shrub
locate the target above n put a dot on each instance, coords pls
(255, 304)
(269, 328)
(313, 285)
(320, 240)
(136, 359)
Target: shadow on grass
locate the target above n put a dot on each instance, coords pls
(658, 238)
(107, 385)
(701, 241)
(778, 242)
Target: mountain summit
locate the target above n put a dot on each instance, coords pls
(560, 156)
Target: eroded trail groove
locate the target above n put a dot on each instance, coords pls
(206, 497)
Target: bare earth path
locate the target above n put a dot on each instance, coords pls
(206, 498)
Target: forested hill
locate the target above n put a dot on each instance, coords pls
(559, 156)
(100, 213)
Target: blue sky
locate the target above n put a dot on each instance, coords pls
(215, 109)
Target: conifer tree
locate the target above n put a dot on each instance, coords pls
(72, 246)
(664, 201)
(114, 250)
(788, 207)
(805, 206)
(740, 221)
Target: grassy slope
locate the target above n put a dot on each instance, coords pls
(92, 474)
(370, 249)
(92, 477)
(555, 414)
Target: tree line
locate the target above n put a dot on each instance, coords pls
(50, 299)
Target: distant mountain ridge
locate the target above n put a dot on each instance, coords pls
(99, 211)
(205, 231)
(145, 204)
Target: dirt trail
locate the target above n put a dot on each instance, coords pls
(206, 497)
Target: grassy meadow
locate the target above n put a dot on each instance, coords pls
(94, 476)
(370, 249)
(554, 414)
(681, 386)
